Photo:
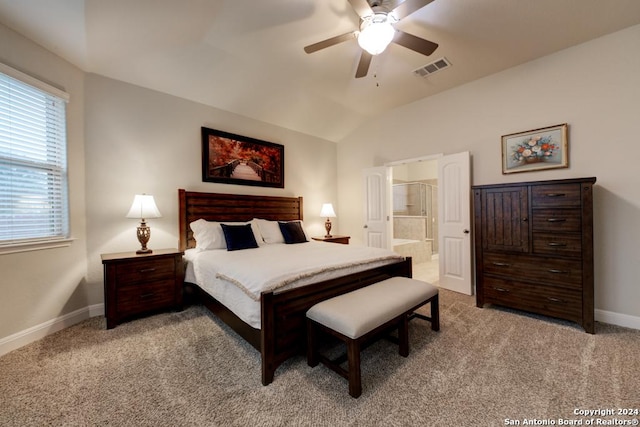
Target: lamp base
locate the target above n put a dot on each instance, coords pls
(144, 233)
(327, 226)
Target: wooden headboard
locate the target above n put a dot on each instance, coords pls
(231, 208)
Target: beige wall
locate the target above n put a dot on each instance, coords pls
(594, 87)
(142, 141)
(38, 286)
(131, 140)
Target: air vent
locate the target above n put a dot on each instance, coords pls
(434, 67)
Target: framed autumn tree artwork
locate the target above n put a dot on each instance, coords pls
(234, 159)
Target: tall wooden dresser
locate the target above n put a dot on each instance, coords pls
(534, 247)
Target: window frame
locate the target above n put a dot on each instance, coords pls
(64, 238)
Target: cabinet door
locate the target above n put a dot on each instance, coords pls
(505, 219)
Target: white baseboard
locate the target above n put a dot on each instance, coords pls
(617, 319)
(96, 310)
(17, 340)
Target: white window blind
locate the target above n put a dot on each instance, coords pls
(33, 161)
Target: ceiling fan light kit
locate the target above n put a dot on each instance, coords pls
(377, 31)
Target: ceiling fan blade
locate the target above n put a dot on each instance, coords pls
(407, 7)
(330, 42)
(361, 7)
(363, 65)
(414, 43)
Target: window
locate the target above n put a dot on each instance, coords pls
(33, 161)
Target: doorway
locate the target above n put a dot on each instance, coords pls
(453, 216)
(415, 215)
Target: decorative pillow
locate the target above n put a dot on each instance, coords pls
(239, 237)
(269, 230)
(208, 235)
(292, 232)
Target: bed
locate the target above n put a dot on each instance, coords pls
(281, 333)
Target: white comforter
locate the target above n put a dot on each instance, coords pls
(281, 266)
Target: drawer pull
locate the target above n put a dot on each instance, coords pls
(147, 270)
(556, 244)
(147, 295)
(502, 264)
(552, 299)
(556, 220)
(556, 194)
(553, 270)
(501, 289)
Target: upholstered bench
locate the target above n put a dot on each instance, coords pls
(361, 315)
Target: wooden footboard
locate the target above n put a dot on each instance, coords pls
(283, 332)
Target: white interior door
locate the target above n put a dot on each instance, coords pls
(377, 209)
(454, 223)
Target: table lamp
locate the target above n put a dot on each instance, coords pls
(143, 207)
(327, 212)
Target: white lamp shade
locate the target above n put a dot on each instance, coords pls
(327, 211)
(376, 35)
(144, 206)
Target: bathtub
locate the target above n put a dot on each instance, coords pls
(419, 250)
(398, 242)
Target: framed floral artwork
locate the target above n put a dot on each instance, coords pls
(234, 159)
(537, 149)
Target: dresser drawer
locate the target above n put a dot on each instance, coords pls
(557, 244)
(549, 301)
(565, 195)
(146, 270)
(547, 270)
(139, 298)
(563, 220)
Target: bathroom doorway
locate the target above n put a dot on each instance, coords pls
(415, 215)
(452, 216)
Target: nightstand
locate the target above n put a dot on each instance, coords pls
(138, 284)
(333, 239)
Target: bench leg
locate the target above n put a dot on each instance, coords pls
(403, 335)
(353, 353)
(312, 352)
(435, 314)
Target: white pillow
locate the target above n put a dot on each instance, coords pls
(209, 234)
(256, 232)
(270, 231)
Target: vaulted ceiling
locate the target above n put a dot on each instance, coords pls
(247, 57)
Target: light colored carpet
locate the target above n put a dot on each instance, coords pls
(483, 367)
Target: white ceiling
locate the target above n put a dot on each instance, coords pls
(246, 56)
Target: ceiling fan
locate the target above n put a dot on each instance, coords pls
(377, 31)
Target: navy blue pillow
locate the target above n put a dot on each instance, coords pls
(292, 232)
(239, 237)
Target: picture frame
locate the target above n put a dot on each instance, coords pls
(235, 159)
(537, 149)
